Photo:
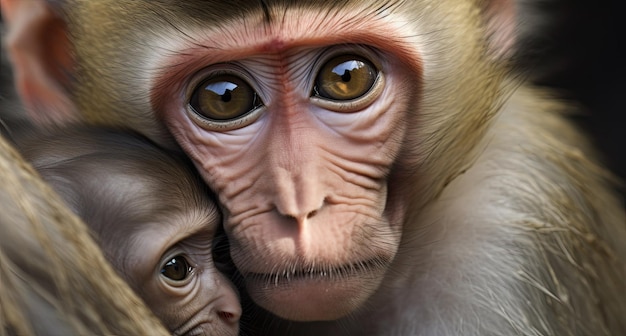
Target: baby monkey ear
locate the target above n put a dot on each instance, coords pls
(41, 55)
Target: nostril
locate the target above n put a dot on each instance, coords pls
(298, 213)
(228, 317)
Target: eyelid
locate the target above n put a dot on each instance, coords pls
(227, 125)
(219, 69)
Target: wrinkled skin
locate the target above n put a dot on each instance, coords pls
(425, 191)
(305, 189)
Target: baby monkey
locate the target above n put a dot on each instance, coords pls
(153, 217)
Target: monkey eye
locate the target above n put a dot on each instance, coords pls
(176, 269)
(345, 77)
(223, 98)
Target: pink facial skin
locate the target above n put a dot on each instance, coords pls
(437, 193)
(304, 181)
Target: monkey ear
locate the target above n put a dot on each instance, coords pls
(40, 51)
(502, 25)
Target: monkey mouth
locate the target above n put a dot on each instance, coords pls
(325, 273)
(329, 291)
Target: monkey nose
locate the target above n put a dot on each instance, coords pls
(301, 213)
(228, 311)
(229, 317)
(298, 196)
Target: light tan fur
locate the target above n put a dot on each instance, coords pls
(510, 226)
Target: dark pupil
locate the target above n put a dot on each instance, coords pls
(222, 89)
(344, 69)
(226, 97)
(176, 269)
(346, 76)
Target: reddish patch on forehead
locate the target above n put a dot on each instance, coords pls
(274, 45)
(241, 40)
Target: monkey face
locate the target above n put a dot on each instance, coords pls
(301, 162)
(299, 131)
(153, 218)
(170, 264)
(376, 160)
(157, 225)
(298, 143)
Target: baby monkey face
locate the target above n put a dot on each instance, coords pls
(153, 217)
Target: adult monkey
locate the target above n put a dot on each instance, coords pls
(380, 167)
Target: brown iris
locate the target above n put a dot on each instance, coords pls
(345, 77)
(176, 269)
(223, 97)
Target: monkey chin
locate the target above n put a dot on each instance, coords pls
(312, 295)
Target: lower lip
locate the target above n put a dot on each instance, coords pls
(314, 296)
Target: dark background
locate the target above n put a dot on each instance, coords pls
(582, 51)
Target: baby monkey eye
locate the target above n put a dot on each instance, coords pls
(176, 269)
(223, 97)
(345, 77)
